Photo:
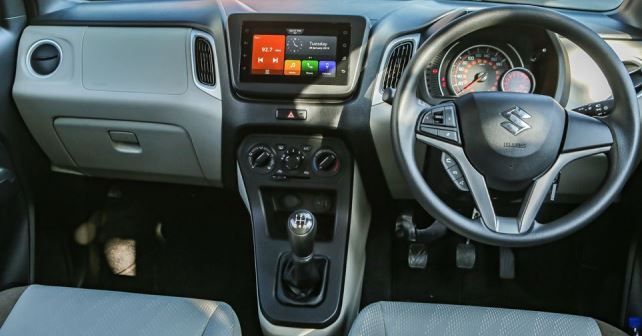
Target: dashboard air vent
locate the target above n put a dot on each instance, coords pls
(397, 61)
(204, 61)
(44, 57)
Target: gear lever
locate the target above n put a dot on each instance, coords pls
(302, 228)
(302, 273)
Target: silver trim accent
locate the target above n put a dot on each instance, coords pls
(377, 96)
(532, 201)
(519, 57)
(30, 52)
(242, 190)
(214, 91)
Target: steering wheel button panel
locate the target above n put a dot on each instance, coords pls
(440, 121)
(447, 160)
(461, 184)
(454, 172)
(429, 118)
(430, 130)
(449, 135)
(440, 116)
(449, 117)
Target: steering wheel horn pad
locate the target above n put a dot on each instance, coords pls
(510, 138)
(502, 148)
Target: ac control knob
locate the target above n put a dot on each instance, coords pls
(261, 158)
(293, 159)
(326, 161)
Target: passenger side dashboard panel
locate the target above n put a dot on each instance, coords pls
(124, 77)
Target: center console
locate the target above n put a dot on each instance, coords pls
(305, 181)
(309, 215)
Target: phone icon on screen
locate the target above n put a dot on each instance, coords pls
(310, 67)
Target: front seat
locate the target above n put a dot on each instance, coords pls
(59, 311)
(410, 319)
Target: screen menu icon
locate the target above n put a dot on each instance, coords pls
(310, 67)
(328, 68)
(268, 54)
(292, 68)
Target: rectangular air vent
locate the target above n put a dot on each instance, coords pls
(397, 61)
(204, 61)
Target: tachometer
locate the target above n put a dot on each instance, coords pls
(518, 80)
(478, 68)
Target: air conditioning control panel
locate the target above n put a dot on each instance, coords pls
(282, 158)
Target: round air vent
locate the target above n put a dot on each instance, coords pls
(44, 58)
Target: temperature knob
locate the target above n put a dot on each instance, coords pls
(326, 161)
(261, 158)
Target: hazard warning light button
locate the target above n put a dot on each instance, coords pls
(291, 114)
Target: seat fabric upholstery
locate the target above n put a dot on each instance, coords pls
(410, 319)
(58, 311)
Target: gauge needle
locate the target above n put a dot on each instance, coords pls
(479, 77)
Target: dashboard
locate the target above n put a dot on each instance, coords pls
(304, 67)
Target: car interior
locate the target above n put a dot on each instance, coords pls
(320, 167)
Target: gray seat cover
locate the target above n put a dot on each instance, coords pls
(60, 311)
(410, 319)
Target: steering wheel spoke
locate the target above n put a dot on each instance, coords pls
(475, 180)
(539, 190)
(585, 132)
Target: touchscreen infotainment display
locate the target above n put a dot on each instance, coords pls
(295, 52)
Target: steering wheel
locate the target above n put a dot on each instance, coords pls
(515, 141)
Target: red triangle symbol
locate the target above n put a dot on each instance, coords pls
(291, 115)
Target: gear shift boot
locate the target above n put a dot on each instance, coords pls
(301, 284)
(302, 275)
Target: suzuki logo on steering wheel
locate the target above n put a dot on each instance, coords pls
(515, 123)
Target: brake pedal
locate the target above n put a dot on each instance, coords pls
(466, 255)
(417, 256)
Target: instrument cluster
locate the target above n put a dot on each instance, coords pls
(490, 61)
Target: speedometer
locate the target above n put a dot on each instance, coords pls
(478, 68)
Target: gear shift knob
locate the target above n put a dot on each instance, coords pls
(302, 228)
